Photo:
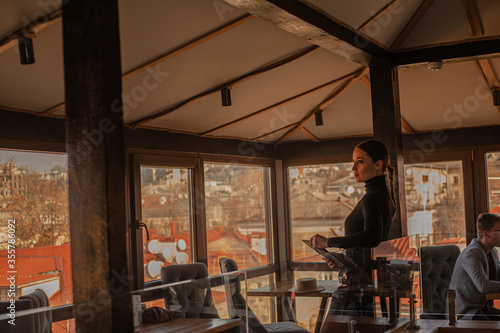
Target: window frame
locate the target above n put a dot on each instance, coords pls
(466, 157)
(303, 266)
(61, 312)
(195, 162)
(138, 160)
(271, 204)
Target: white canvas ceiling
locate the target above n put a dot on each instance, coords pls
(266, 105)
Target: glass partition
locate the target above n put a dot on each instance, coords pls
(238, 210)
(166, 210)
(35, 250)
(493, 177)
(435, 201)
(321, 197)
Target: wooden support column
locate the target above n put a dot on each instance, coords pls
(94, 143)
(387, 128)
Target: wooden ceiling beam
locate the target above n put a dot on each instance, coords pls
(489, 75)
(29, 30)
(403, 35)
(183, 48)
(307, 133)
(275, 131)
(466, 50)
(379, 14)
(473, 16)
(303, 21)
(324, 104)
(406, 127)
(234, 82)
(283, 102)
(53, 109)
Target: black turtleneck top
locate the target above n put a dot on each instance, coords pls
(370, 221)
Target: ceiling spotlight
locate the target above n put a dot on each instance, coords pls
(435, 65)
(26, 51)
(318, 116)
(225, 94)
(496, 97)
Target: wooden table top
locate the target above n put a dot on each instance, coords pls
(190, 325)
(283, 288)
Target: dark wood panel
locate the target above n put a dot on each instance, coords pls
(306, 22)
(463, 51)
(386, 115)
(96, 169)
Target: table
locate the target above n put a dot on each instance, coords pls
(190, 325)
(282, 289)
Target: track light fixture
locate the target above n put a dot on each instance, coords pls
(435, 65)
(26, 51)
(318, 116)
(226, 96)
(496, 97)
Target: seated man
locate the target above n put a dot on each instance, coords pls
(477, 272)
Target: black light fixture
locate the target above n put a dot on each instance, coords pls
(26, 51)
(496, 97)
(319, 118)
(225, 94)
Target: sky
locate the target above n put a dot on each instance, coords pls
(42, 162)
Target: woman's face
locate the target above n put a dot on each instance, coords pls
(363, 166)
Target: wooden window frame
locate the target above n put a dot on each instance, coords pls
(194, 161)
(448, 155)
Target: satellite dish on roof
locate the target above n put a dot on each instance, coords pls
(182, 258)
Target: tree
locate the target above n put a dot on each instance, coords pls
(38, 202)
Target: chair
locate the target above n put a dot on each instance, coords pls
(436, 268)
(237, 305)
(33, 323)
(192, 299)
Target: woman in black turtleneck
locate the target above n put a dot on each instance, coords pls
(370, 221)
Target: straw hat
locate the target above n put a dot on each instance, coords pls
(306, 285)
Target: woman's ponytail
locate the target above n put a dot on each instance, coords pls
(392, 187)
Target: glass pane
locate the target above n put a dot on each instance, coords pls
(237, 211)
(321, 197)
(34, 225)
(166, 210)
(435, 202)
(493, 174)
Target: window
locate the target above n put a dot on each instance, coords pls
(321, 197)
(34, 208)
(237, 203)
(493, 176)
(166, 210)
(435, 201)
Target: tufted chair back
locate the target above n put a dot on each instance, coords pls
(25, 323)
(43, 320)
(40, 322)
(235, 300)
(436, 265)
(192, 299)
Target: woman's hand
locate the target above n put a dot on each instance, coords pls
(319, 242)
(330, 263)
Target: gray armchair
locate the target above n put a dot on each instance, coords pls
(192, 299)
(436, 265)
(237, 305)
(33, 323)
